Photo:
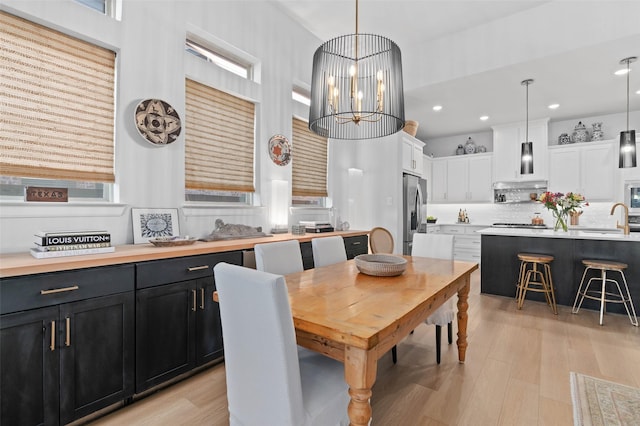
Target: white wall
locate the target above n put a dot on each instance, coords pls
(149, 42)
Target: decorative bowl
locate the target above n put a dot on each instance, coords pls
(172, 241)
(432, 220)
(381, 265)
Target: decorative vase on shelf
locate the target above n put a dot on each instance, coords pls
(564, 139)
(580, 133)
(597, 134)
(561, 221)
(460, 150)
(470, 147)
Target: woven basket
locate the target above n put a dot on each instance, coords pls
(381, 265)
(411, 127)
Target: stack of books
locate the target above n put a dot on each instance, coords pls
(71, 243)
(316, 227)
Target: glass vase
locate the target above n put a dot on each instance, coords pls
(561, 221)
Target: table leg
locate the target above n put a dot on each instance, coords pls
(360, 367)
(463, 306)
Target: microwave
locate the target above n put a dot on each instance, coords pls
(632, 196)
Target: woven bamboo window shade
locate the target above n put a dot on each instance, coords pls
(57, 119)
(219, 137)
(309, 162)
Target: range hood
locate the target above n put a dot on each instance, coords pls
(518, 191)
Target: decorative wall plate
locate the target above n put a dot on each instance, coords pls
(279, 150)
(157, 121)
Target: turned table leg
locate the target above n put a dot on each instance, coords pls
(463, 306)
(360, 367)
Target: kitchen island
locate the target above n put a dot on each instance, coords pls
(500, 264)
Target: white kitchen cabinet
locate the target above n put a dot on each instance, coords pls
(466, 241)
(412, 155)
(462, 178)
(427, 165)
(507, 143)
(439, 180)
(588, 168)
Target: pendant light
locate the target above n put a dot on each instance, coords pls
(628, 137)
(356, 87)
(526, 153)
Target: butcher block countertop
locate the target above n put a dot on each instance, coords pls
(16, 264)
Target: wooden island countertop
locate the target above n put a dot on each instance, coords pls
(17, 264)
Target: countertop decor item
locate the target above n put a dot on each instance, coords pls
(157, 122)
(172, 241)
(597, 134)
(628, 137)
(564, 139)
(561, 205)
(460, 150)
(279, 150)
(526, 149)
(356, 87)
(230, 231)
(481, 148)
(381, 265)
(580, 133)
(154, 223)
(470, 146)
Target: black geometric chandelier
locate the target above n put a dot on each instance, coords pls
(356, 87)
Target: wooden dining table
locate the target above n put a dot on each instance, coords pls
(357, 318)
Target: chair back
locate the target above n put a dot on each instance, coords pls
(328, 250)
(380, 240)
(282, 257)
(439, 246)
(260, 351)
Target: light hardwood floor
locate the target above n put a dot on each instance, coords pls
(516, 372)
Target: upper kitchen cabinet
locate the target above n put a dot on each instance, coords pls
(507, 141)
(462, 179)
(427, 167)
(412, 155)
(587, 168)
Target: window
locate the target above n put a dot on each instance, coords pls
(309, 166)
(99, 5)
(219, 139)
(222, 60)
(58, 113)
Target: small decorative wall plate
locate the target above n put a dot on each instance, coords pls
(279, 150)
(157, 121)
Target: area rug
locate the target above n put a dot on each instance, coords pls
(598, 402)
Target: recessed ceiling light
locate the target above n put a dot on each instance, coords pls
(437, 107)
(622, 71)
(553, 106)
(484, 118)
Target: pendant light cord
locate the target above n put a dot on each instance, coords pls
(527, 122)
(628, 71)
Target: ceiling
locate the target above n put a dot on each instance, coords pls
(569, 47)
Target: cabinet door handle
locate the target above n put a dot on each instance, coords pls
(202, 298)
(67, 340)
(59, 290)
(53, 336)
(357, 243)
(193, 308)
(198, 268)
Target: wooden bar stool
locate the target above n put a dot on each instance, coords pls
(601, 294)
(532, 267)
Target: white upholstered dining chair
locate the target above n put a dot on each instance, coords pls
(328, 250)
(267, 382)
(439, 246)
(282, 257)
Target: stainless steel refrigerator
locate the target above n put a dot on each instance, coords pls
(414, 197)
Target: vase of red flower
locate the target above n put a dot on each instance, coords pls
(562, 205)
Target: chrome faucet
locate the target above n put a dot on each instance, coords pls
(625, 227)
